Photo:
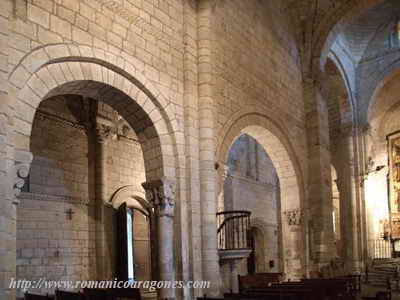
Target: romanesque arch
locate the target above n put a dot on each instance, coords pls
(70, 69)
(332, 27)
(274, 140)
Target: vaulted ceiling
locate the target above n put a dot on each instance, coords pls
(354, 23)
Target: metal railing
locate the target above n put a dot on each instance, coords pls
(380, 248)
(233, 230)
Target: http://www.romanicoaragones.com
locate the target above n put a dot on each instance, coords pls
(42, 283)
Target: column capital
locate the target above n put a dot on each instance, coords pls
(293, 216)
(161, 193)
(103, 133)
(23, 160)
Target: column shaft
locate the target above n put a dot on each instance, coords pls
(161, 193)
(210, 259)
(319, 204)
(347, 183)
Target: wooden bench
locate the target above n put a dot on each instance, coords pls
(333, 288)
(65, 295)
(259, 280)
(29, 296)
(126, 293)
(383, 296)
(96, 294)
(337, 288)
(266, 295)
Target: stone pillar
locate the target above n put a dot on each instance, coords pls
(234, 272)
(8, 213)
(8, 169)
(223, 173)
(208, 196)
(102, 134)
(190, 204)
(349, 211)
(319, 199)
(161, 193)
(293, 244)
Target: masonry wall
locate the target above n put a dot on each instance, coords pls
(253, 185)
(149, 34)
(256, 63)
(51, 244)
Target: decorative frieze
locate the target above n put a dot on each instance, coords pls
(161, 193)
(59, 121)
(23, 160)
(293, 216)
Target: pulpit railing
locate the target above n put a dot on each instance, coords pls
(233, 229)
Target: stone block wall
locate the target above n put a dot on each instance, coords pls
(7, 208)
(252, 184)
(51, 243)
(255, 63)
(254, 60)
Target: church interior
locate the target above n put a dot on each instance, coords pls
(245, 149)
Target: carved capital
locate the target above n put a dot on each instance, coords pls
(293, 216)
(161, 193)
(105, 130)
(103, 133)
(23, 160)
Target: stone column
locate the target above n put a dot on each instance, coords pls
(190, 203)
(161, 193)
(293, 244)
(319, 199)
(234, 272)
(222, 176)
(349, 211)
(208, 196)
(8, 213)
(103, 134)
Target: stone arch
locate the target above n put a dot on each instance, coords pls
(91, 79)
(342, 70)
(380, 102)
(346, 86)
(132, 195)
(373, 86)
(278, 148)
(126, 65)
(340, 103)
(275, 142)
(332, 27)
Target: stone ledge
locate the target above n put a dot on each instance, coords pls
(235, 254)
(53, 198)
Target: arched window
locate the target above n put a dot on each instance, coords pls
(134, 244)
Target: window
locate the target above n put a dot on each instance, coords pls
(134, 260)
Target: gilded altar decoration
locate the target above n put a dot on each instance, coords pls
(394, 173)
(395, 225)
